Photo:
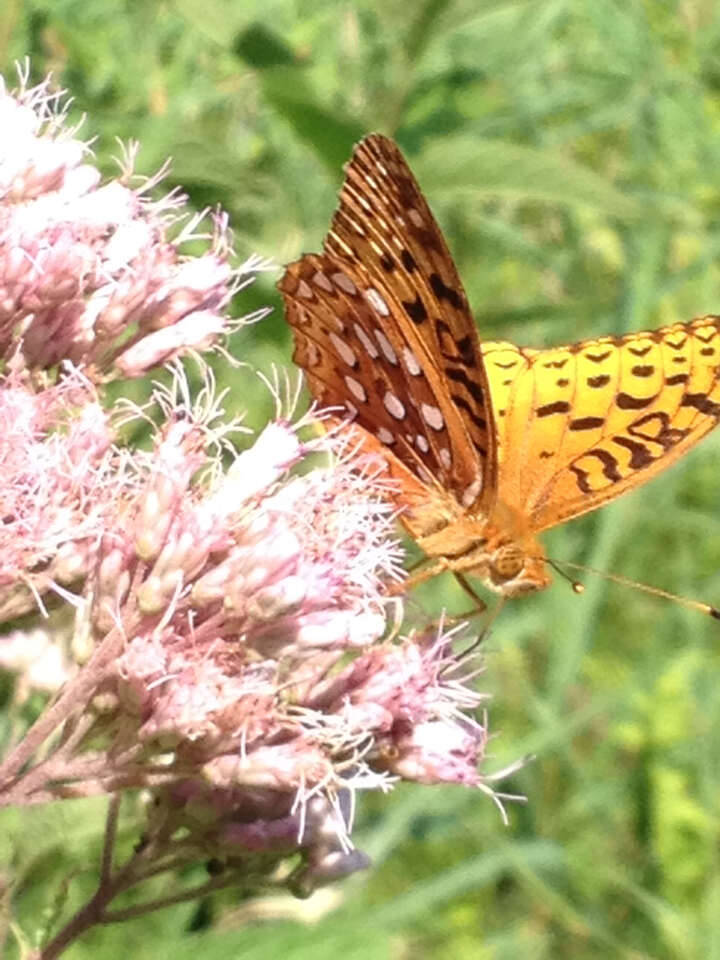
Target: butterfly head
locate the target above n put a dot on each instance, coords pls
(514, 560)
(513, 570)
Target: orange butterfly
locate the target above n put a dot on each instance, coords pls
(489, 443)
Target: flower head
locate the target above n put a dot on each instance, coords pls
(89, 272)
(60, 481)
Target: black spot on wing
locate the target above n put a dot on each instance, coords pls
(466, 349)
(443, 292)
(640, 456)
(627, 402)
(475, 417)
(458, 375)
(586, 423)
(598, 357)
(408, 261)
(609, 468)
(415, 309)
(559, 406)
(657, 428)
(702, 403)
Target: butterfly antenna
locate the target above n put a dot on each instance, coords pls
(578, 587)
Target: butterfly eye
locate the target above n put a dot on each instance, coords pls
(506, 563)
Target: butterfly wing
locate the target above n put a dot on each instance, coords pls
(383, 329)
(579, 425)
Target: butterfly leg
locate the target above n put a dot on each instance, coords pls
(420, 576)
(443, 566)
(469, 652)
(479, 605)
(434, 569)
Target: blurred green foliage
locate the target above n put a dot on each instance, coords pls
(571, 152)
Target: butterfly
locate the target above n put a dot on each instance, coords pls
(489, 443)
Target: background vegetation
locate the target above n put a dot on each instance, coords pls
(571, 151)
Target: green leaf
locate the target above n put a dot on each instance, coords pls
(330, 135)
(262, 48)
(461, 166)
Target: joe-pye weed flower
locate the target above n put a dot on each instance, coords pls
(215, 626)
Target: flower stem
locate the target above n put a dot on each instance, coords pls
(142, 866)
(72, 698)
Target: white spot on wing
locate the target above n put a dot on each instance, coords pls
(470, 495)
(411, 362)
(320, 280)
(356, 389)
(377, 302)
(344, 282)
(351, 409)
(344, 350)
(415, 217)
(365, 340)
(393, 406)
(304, 290)
(445, 458)
(386, 346)
(421, 443)
(432, 416)
(384, 436)
(425, 475)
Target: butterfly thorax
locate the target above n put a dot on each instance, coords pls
(499, 550)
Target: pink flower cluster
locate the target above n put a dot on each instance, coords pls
(258, 605)
(88, 272)
(223, 616)
(60, 482)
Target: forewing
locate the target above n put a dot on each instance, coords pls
(383, 328)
